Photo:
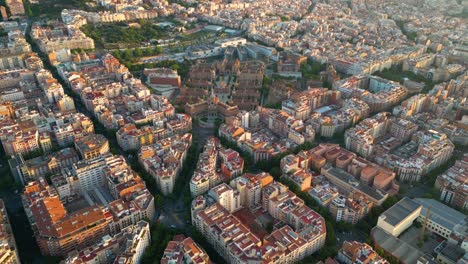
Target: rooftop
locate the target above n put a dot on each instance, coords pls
(440, 213)
(400, 211)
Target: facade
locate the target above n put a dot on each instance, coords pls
(92, 146)
(127, 246)
(16, 7)
(452, 184)
(443, 220)
(8, 250)
(215, 165)
(399, 217)
(164, 160)
(61, 232)
(350, 209)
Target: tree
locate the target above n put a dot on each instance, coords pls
(127, 55)
(275, 172)
(175, 66)
(137, 52)
(157, 50)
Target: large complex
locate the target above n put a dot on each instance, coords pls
(397, 144)
(349, 173)
(222, 216)
(93, 198)
(378, 93)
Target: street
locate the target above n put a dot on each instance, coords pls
(174, 213)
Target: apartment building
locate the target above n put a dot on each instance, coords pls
(115, 196)
(378, 93)
(215, 165)
(129, 137)
(205, 175)
(184, 250)
(164, 160)
(21, 138)
(8, 249)
(322, 191)
(360, 139)
(16, 7)
(350, 209)
(66, 130)
(14, 50)
(426, 151)
(344, 170)
(127, 246)
(92, 146)
(356, 252)
(57, 36)
(452, 184)
(250, 187)
(47, 164)
(61, 232)
(233, 239)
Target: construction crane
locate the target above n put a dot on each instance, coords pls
(423, 229)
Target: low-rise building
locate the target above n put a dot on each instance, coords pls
(443, 220)
(399, 217)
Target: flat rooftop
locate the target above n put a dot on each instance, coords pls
(397, 247)
(440, 213)
(350, 179)
(400, 211)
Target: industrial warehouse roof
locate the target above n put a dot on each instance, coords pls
(440, 213)
(400, 211)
